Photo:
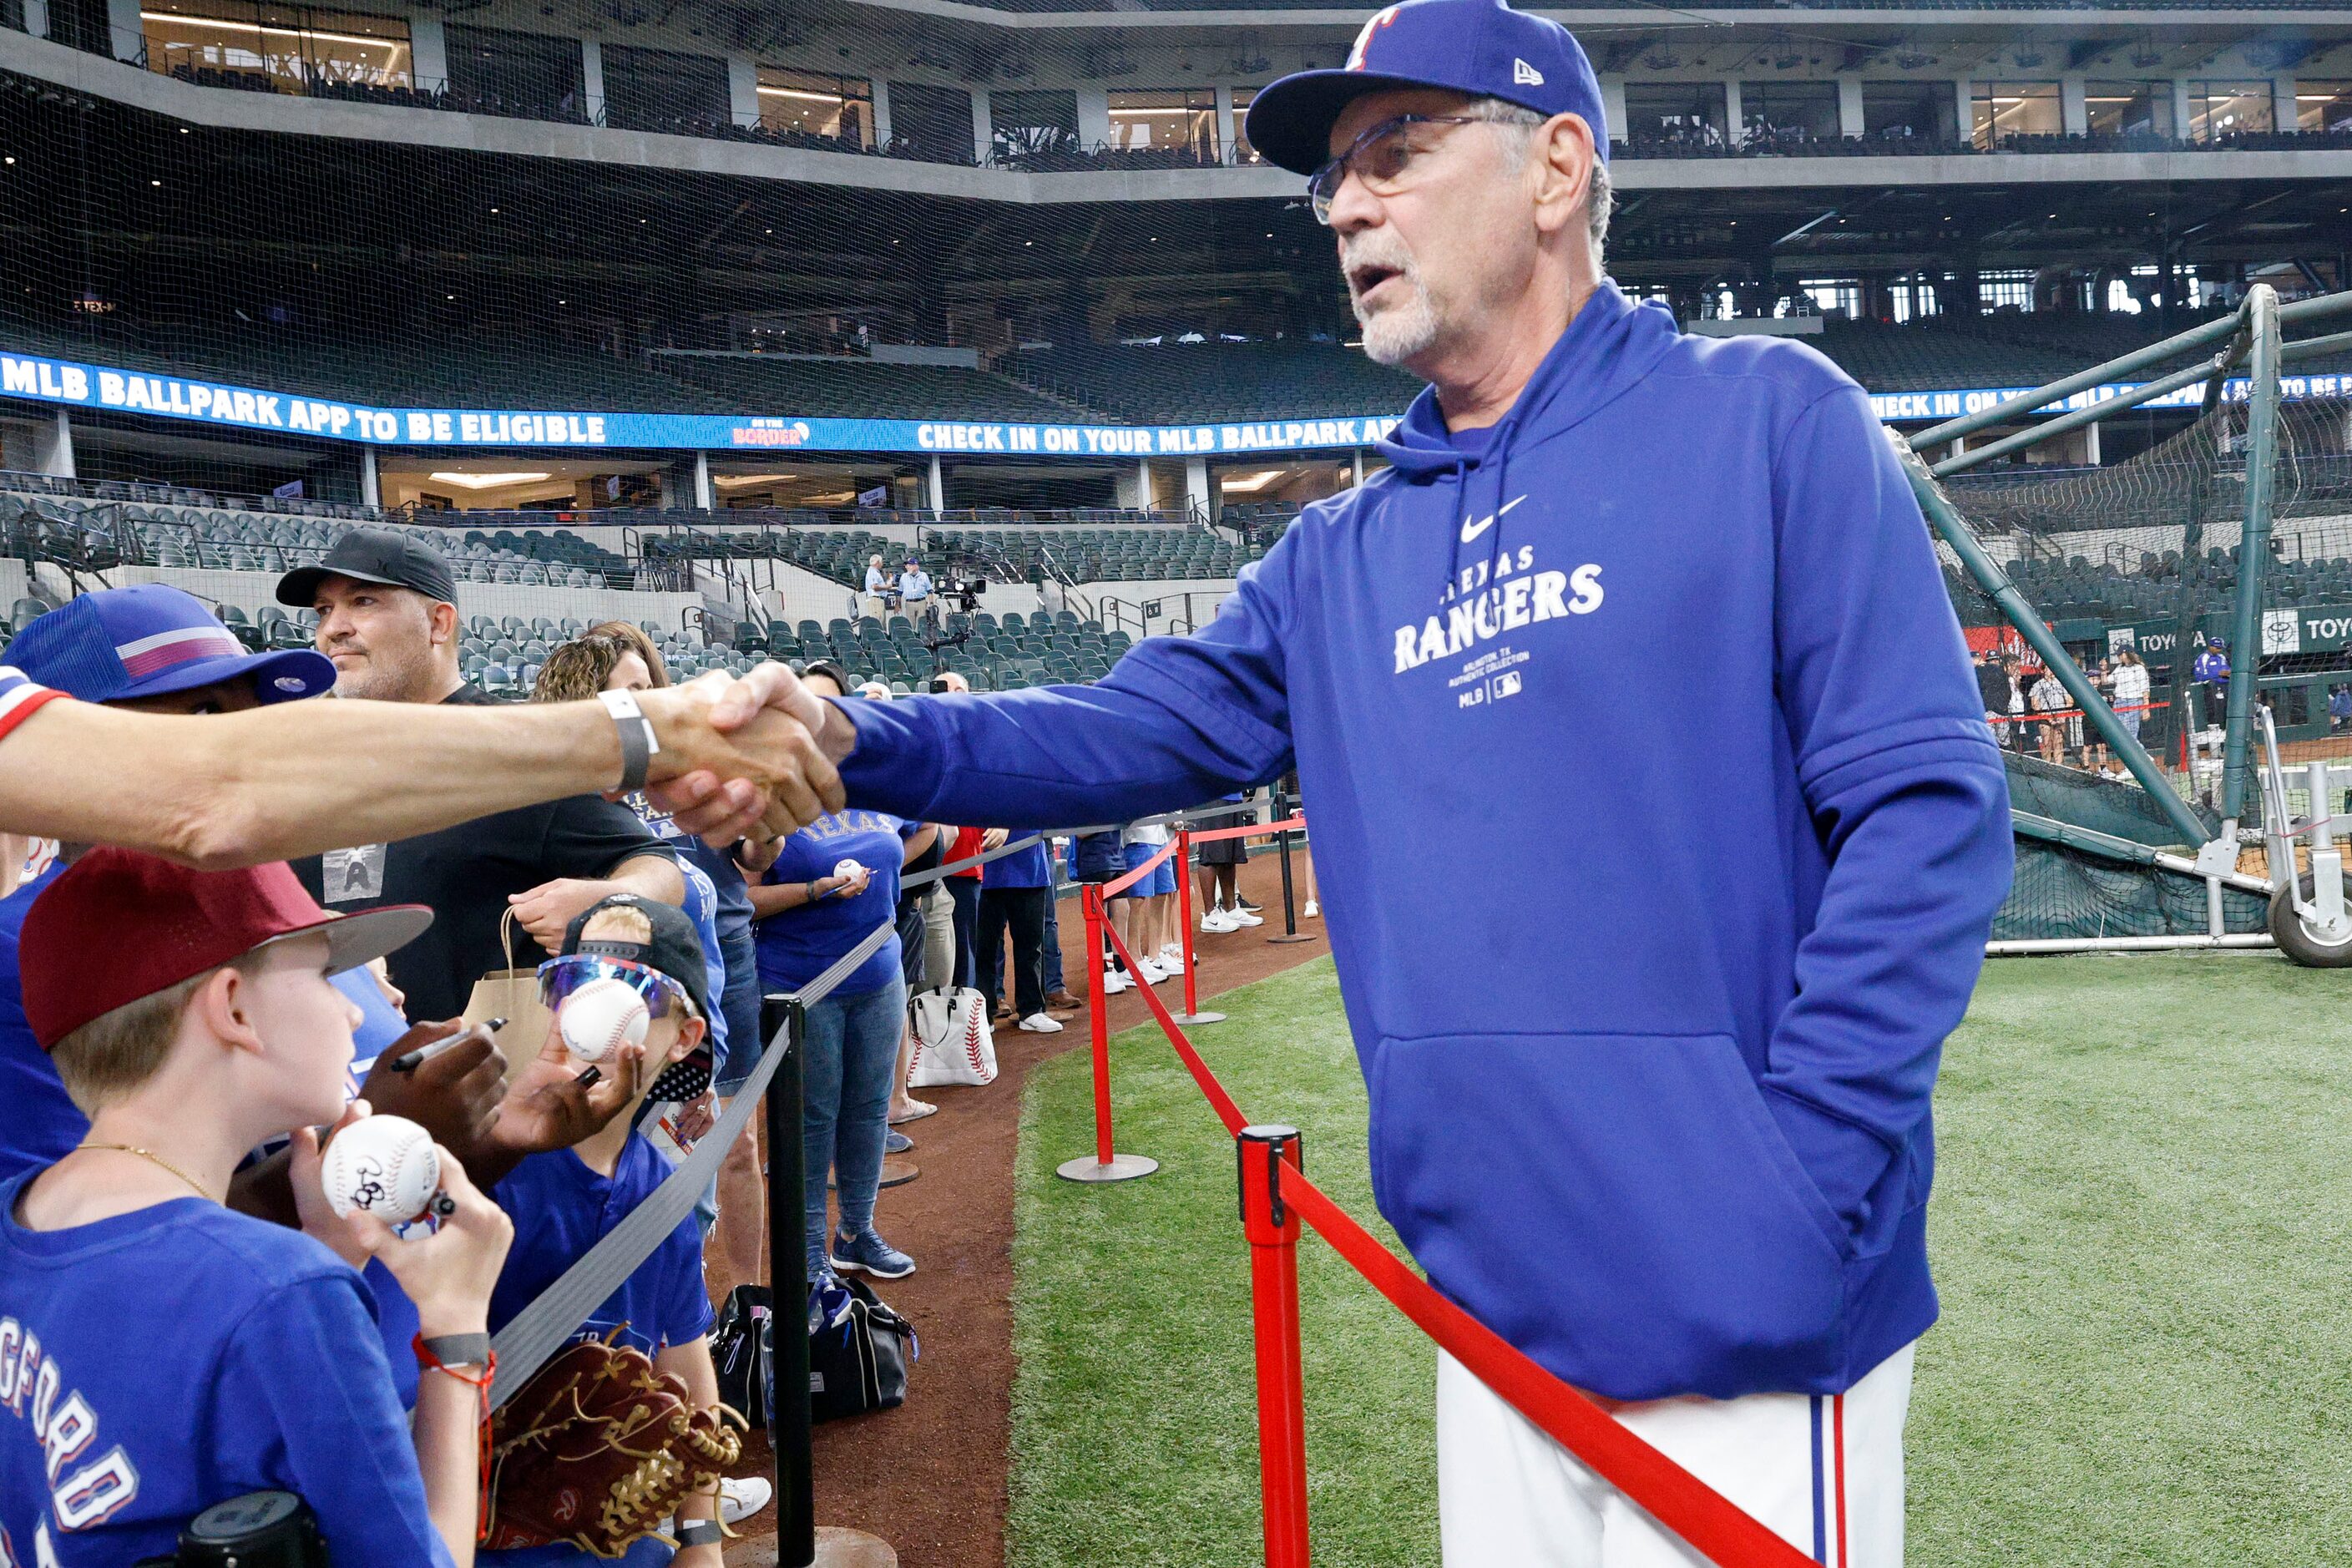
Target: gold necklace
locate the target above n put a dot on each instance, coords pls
(153, 1158)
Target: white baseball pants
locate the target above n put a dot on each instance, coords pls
(1824, 1472)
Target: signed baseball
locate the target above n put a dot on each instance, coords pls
(849, 869)
(600, 1018)
(384, 1165)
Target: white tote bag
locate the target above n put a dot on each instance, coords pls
(953, 1042)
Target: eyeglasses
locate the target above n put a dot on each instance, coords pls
(1382, 157)
(560, 977)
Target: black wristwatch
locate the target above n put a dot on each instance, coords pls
(699, 1532)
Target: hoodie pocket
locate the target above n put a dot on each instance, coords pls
(1622, 1206)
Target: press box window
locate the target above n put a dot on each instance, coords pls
(1909, 110)
(1686, 112)
(837, 108)
(2322, 106)
(295, 48)
(2219, 109)
(2127, 107)
(1180, 120)
(2001, 111)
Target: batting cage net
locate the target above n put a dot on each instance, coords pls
(2134, 567)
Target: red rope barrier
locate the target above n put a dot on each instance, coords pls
(1114, 889)
(1219, 1100)
(1681, 1502)
(1713, 1525)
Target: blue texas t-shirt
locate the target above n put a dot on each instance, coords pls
(271, 1377)
(796, 945)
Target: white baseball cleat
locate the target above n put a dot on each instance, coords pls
(1152, 974)
(1171, 958)
(1216, 919)
(1040, 1024)
(1241, 918)
(1114, 981)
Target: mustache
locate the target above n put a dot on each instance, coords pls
(1378, 250)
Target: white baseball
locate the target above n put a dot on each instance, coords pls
(384, 1165)
(849, 869)
(600, 1018)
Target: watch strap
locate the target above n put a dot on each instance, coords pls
(699, 1532)
(639, 742)
(458, 1350)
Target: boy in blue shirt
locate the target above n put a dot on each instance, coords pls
(563, 1202)
(192, 1015)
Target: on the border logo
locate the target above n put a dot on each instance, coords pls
(771, 433)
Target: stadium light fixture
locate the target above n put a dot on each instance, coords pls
(487, 481)
(1252, 483)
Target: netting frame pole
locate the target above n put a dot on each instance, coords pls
(1272, 1229)
(1953, 530)
(2253, 552)
(1106, 1166)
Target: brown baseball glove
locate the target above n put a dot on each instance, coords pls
(598, 1448)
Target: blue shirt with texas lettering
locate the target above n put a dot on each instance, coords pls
(796, 945)
(113, 1434)
(560, 1208)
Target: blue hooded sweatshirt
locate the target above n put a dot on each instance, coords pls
(1659, 832)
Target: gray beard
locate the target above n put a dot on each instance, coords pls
(1400, 333)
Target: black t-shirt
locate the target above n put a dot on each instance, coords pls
(465, 873)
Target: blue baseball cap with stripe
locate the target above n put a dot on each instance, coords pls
(151, 639)
(1482, 48)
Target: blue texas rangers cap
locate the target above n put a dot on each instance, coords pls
(1482, 48)
(150, 639)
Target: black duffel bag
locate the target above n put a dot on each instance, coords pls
(859, 1351)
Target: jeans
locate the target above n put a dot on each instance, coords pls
(1052, 955)
(965, 891)
(741, 1004)
(1022, 909)
(851, 1052)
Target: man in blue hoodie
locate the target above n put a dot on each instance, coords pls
(1767, 884)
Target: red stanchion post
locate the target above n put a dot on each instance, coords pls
(1106, 1166)
(1191, 1013)
(1272, 1227)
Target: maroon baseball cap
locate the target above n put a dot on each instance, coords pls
(118, 925)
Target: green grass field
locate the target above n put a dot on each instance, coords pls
(2140, 1233)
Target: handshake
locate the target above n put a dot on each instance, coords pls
(751, 756)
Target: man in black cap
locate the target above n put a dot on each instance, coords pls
(388, 620)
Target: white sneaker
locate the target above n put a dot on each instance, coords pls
(741, 1497)
(1171, 958)
(1040, 1024)
(1313, 910)
(1116, 981)
(1241, 918)
(1152, 974)
(1216, 919)
(739, 1500)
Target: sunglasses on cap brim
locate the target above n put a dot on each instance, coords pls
(560, 977)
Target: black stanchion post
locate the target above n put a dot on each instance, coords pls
(788, 1412)
(1289, 900)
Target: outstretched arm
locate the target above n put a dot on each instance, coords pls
(1179, 720)
(298, 778)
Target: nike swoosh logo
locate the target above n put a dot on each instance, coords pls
(1471, 531)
